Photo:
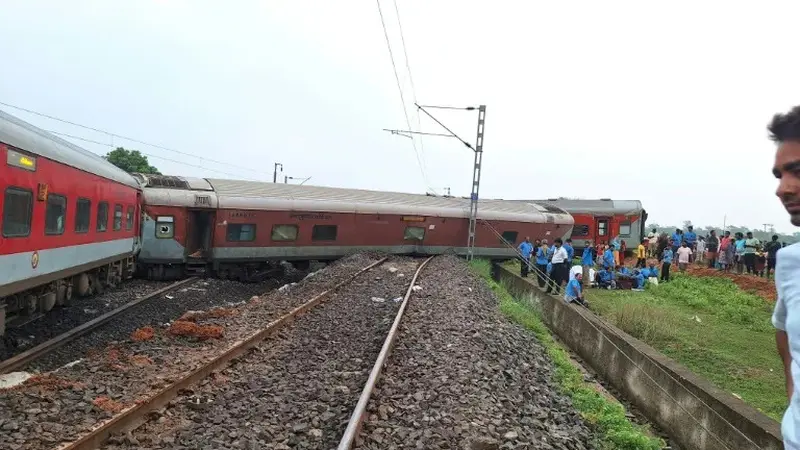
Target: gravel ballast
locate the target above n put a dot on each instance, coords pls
(63, 405)
(299, 388)
(81, 310)
(462, 376)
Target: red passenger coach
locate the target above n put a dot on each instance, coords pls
(603, 220)
(238, 228)
(69, 221)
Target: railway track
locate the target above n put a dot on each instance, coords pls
(23, 359)
(131, 418)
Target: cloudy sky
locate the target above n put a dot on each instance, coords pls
(597, 99)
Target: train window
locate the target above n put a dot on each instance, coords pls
(117, 217)
(284, 232)
(323, 233)
(129, 219)
(239, 232)
(580, 230)
(55, 214)
(17, 211)
(102, 216)
(510, 237)
(165, 227)
(83, 215)
(625, 229)
(414, 233)
(602, 228)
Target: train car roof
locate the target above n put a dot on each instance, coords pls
(24, 136)
(289, 197)
(598, 206)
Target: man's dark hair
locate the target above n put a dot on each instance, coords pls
(558, 241)
(774, 237)
(569, 241)
(785, 127)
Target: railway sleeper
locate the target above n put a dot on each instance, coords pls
(25, 306)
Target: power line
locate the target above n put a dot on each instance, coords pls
(146, 154)
(411, 81)
(402, 98)
(137, 141)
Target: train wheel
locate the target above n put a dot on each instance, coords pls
(81, 285)
(47, 301)
(97, 285)
(30, 305)
(61, 293)
(68, 295)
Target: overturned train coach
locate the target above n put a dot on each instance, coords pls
(241, 229)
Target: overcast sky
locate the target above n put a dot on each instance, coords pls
(597, 99)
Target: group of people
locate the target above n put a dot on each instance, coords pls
(742, 252)
(552, 266)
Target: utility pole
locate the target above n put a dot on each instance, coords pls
(275, 172)
(476, 182)
(447, 189)
(767, 225)
(476, 168)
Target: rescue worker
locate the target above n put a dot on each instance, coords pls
(587, 261)
(574, 292)
(690, 237)
(525, 249)
(608, 259)
(541, 263)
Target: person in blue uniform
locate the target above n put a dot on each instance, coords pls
(608, 259)
(525, 250)
(666, 262)
(587, 261)
(638, 279)
(677, 238)
(570, 250)
(605, 279)
(541, 264)
(574, 292)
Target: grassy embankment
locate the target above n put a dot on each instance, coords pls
(732, 344)
(608, 417)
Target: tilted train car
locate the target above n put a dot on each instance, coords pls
(603, 220)
(234, 228)
(69, 221)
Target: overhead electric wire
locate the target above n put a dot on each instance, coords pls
(411, 81)
(70, 136)
(402, 97)
(137, 141)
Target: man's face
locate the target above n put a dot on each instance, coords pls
(787, 170)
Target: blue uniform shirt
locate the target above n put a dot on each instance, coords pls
(587, 257)
(541, 257)
(639, 281)
(667, 258)
(526, 248)
(676, 240)
(690, 237)
(608, 258)
(570, 252)
(574, 288)
(604, 275)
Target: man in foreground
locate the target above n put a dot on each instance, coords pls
(785, 131)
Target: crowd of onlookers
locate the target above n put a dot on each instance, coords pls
(553, 264)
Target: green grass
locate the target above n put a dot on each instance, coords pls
(607, 416)
(733, 344)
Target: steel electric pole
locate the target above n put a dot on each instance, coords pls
(275, 172)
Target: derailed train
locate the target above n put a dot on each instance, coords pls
(73, 224)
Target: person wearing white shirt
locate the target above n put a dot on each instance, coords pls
(785, 132)
(560, 268)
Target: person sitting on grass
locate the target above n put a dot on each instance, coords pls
(652, 271)
(605, 279)
(574, 293)
(638, 280)
(622, 270)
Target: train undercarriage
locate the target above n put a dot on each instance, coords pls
(21, 307)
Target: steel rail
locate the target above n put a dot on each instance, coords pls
(136, 415)
(24, 358)
(357, 418)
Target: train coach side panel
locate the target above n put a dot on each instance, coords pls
(299, 235)
(30, 254)
(164, 234)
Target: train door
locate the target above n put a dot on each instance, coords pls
(602, 229)
(198, 233)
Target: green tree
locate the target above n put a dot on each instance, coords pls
(130, 161)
